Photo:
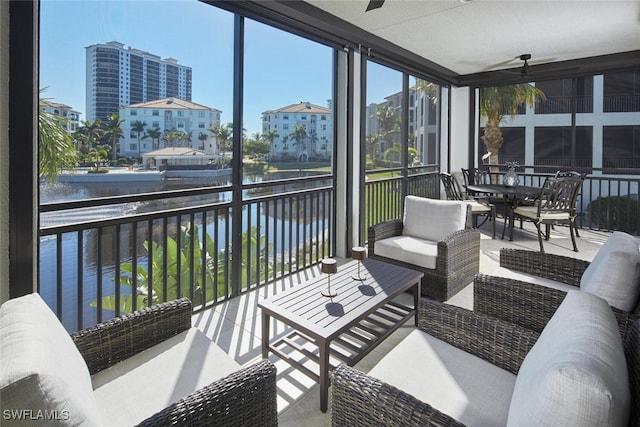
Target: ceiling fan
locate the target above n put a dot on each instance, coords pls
(374, 4)
(546, 68)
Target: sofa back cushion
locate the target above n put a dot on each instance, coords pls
(43, 374)
(614, 273)
(576, 373)
(432, 219)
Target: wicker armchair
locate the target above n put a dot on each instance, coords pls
(246, 397)
(359, 399)
(457, 259)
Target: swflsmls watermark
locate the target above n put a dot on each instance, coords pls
(35, 415)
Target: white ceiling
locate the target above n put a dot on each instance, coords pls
(484, 35)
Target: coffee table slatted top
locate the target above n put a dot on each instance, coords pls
(328, 317)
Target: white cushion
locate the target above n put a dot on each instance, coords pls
(614, 273)
(576, 373)
(531, 212)
(477, 206)
(411, 250)
(530, 278)
(135, 389)
(432, 219)
(42, 369)
(463, 386)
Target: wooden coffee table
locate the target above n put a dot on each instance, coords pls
(347, 326)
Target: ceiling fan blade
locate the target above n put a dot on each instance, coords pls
(374, 4)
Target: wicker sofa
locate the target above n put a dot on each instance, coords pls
(541, 280)
(148, 368)
(434, 237)
(465, 368)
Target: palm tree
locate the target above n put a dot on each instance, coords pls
(114, 131)
(372, 141)
(155, 134)
(313, 140)
(223, 135)
(269, 137)
(498, 101)
(389, 123)
(56, 148)
(93, 131)
(299, 134)
(202, 137)
(138, 127)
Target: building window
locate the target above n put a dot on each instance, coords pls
(155, 113)
(133, 113)
(133, 147)
(303, 118)
(621, 149)
(180, 125)
(552, 146)
(284, 117)
(323, 117)
(180, 113)
(622, 92)
(285, 126)
(200, 125)
(201, 114)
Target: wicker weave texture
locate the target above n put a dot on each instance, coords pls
(359, 400)
(457, 263)
(521, 303)
(247, 397)
(632, 353)
(553, 267)
(498, 342)
(108, 343)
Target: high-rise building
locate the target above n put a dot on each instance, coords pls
(118, 76)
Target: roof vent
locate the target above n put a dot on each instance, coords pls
(170, 100)
(308, 105)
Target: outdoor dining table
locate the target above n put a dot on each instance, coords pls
(513, 196)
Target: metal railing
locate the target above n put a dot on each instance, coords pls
(606, 202)
(102, 257)
(384, 196)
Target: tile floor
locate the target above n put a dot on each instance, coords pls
(236, 325)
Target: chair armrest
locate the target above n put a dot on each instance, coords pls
(500, 343)
(110, 342)
(359, 400)
(525, 304)
(247, 397)
(384, 230)
(459, 248)
(554, 267)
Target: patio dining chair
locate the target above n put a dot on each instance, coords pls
(480, 206)
(572, 174)
(556, 205)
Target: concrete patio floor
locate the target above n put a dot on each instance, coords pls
(236, 325)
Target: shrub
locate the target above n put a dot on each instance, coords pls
(615, 213)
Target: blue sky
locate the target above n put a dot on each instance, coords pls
(280, 68)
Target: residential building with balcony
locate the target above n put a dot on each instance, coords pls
(160, 117)
(423, 110)
(69, 117)
(318, 123)
(117, 76)
(605, 111)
